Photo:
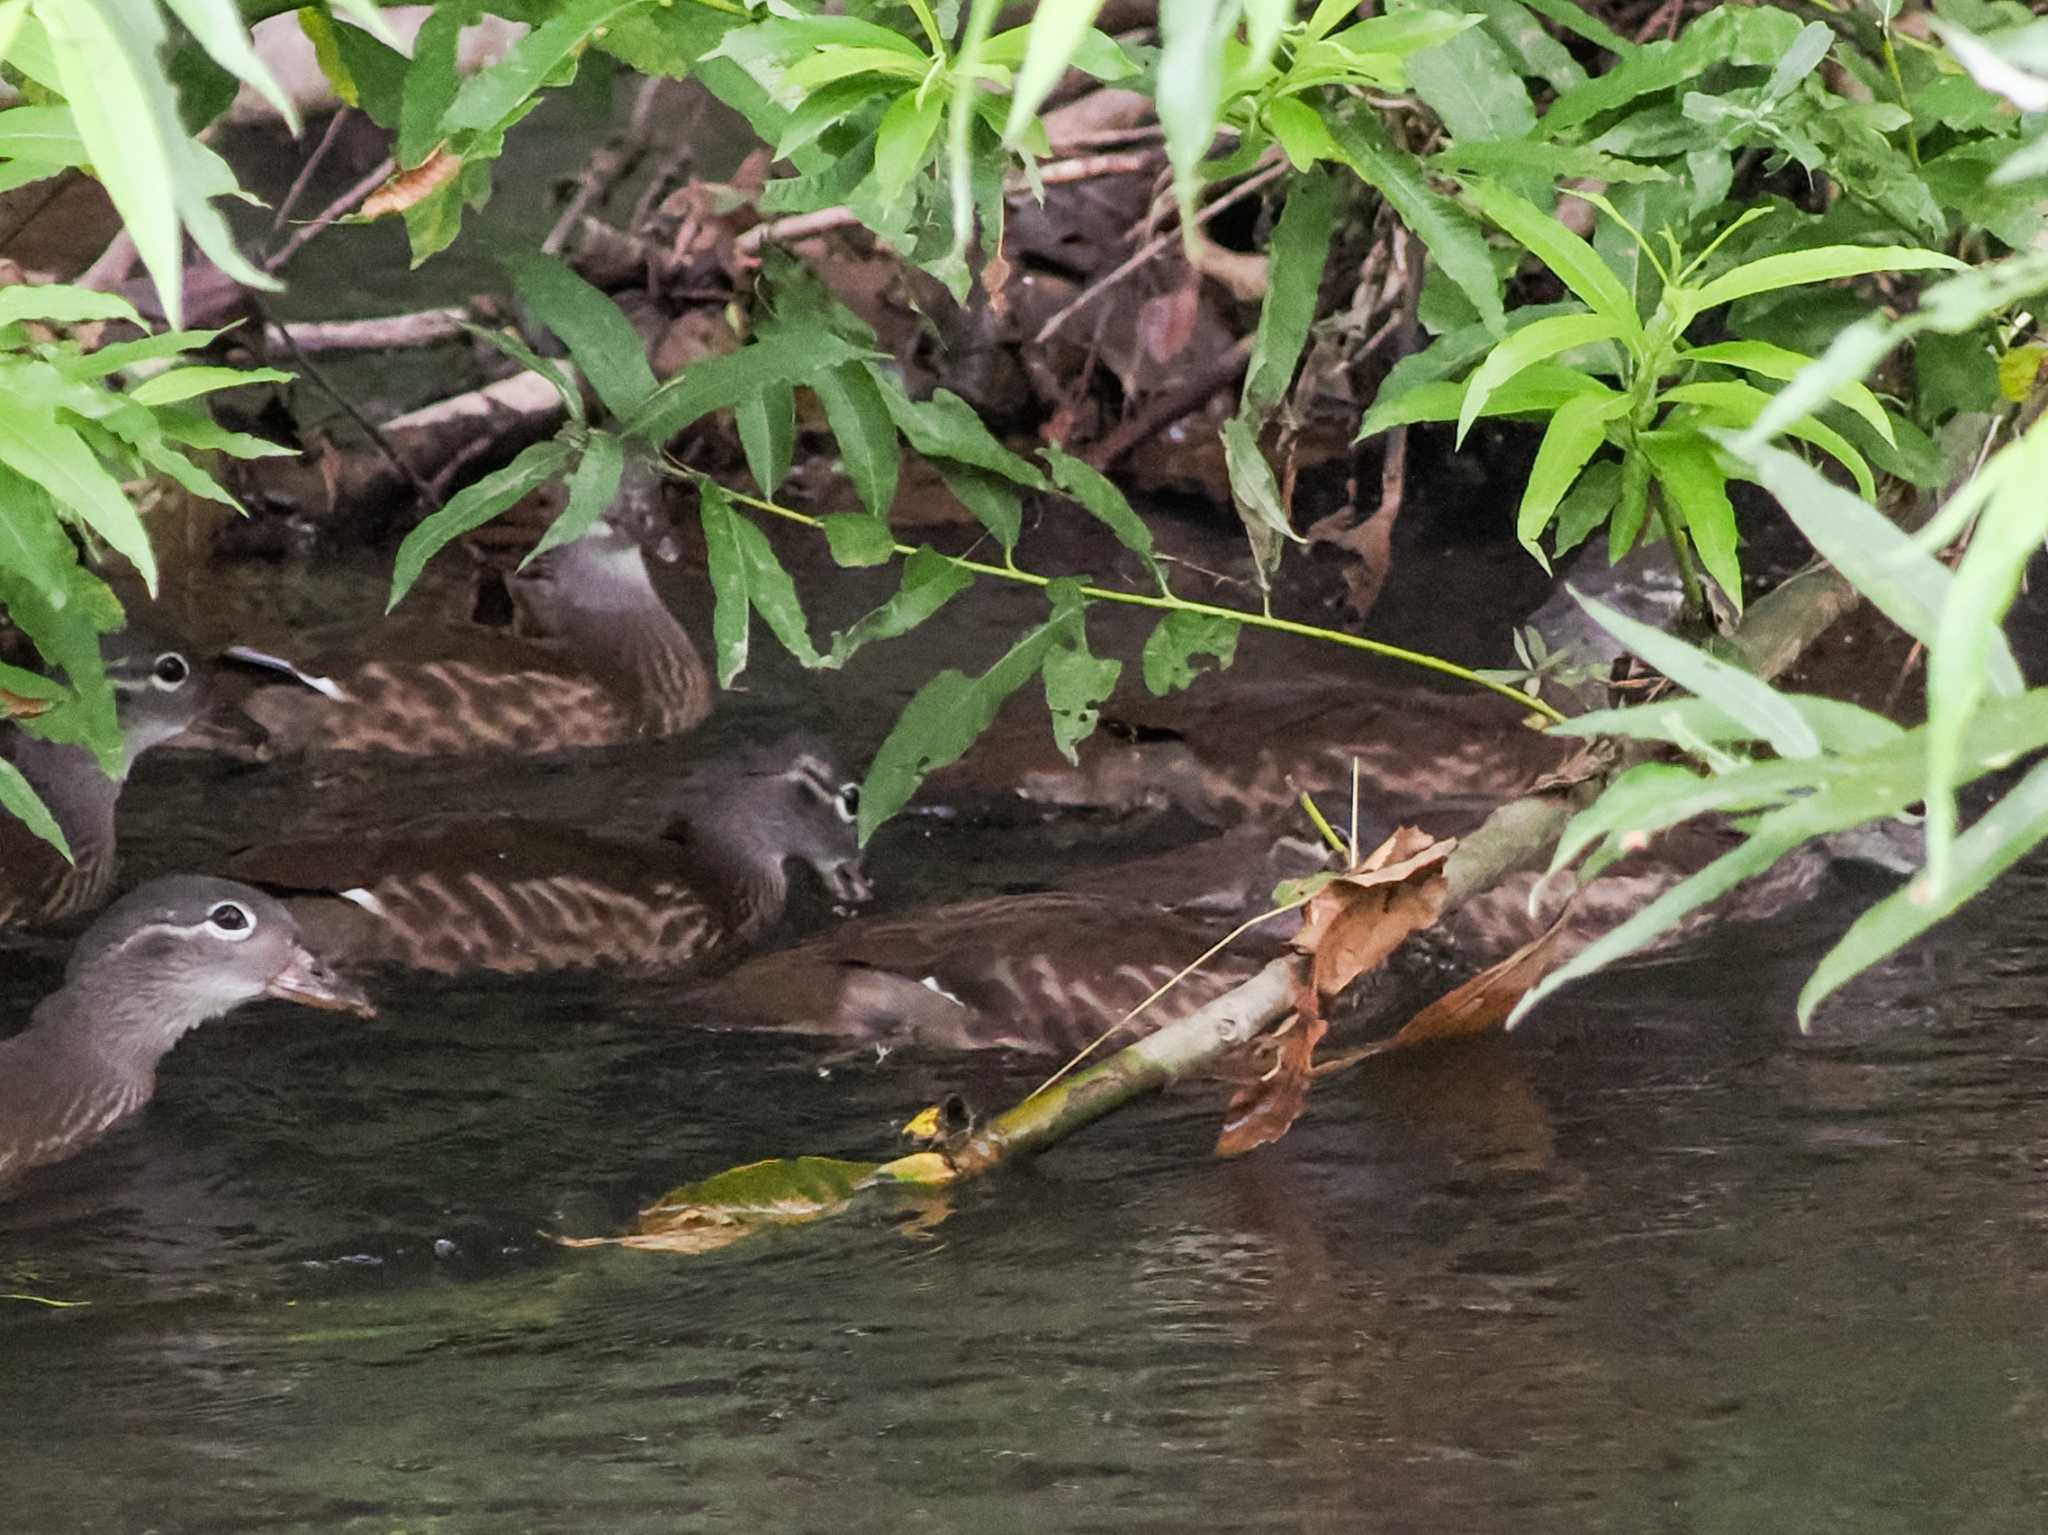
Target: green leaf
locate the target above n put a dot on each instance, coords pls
(1470, 85)
(66, 633)
(36, 446)
(1576, 432)
(124, 354)
(945, 717)
(471, 507)
(859, 418)
(2001, 837)
(1574, 18)
(1180, 637)
(195, 429)
(1188, 96)
(767, 423)
(946, 427)
(187, 383)
(596, 331)
(1076, 683)
(859, 539)
(1106, 504)
(1685, 466)
(62, 304)
(430, 83)
(716, 383)
(105, 53)
(592, 485)
(1761, 357)
(547, 367)
(1450, 237)
(1530, 345)
(1496, 158)
(1575, 263)
(1733, 404)
(1586, 505)
(1256, 494)
(18, 797)
(747, 578)
(489, 97)
(378, 72)
(1827, 263)
(1631, 506)
(930, 581)
(903, 141)
(1297, 252)
(33, 544)
(991, 498)
(1899, 578)
(1686, 722)
(1051, 40)
(1735, 692)
(1300, 131)
(219, 29)
(1541, 388)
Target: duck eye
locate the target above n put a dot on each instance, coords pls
(230, 918)
(171, 670)
(848, 801)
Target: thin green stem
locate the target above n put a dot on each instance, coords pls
(1891, 64)
(1681, 551)
(1171, 603)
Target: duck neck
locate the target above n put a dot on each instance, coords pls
(79, 794)
(743, 875)
(644, 646)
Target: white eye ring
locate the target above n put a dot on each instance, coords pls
(169, 672)
(847, 801)
(231, 920)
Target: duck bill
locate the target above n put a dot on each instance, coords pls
(309, 981)
(848, 883)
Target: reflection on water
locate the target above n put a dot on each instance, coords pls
(1655, 1263)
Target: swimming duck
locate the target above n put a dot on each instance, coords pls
(599, 660)
(508, 894)
(158, 963)
(160, 689)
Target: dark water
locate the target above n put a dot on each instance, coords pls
(1655, 1263)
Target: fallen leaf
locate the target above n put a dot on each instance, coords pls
(16, 707)
(409, 187)
(1349, 928)
(1166, 321)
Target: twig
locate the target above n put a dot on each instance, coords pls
(305, 175)
(608, 164)
(383, 333)
(1172, 405)
(341, 205)
(1148, 250)
(370, 429)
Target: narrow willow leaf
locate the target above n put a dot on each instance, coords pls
(992, 500)
(492, 95)
(33, 543)
(2009, 530)
(1576, 432)
(1076, 684)
(1300, 131)
(1899, 578)
(1629, 803)
(947, 715)
(188, 383)
(596, 331)
(767, 423)
(1727, 403)
(1685, 467)
(903, 141)
(1469, 83)
(1681, 720)
(1848, 358)
(1450, 237)
(1193, 35)
(36, 446)
(125, 354)
(1530, 345)
(472, 507)
(2000, 838)
(1178, 639)
(859, 419)
(1575, 263)
(1781, 363)
(62, 304)
(105, 54)
(592, 485)
(732, 612)
(1539, 389)
(1590, 502)
(220, 30)
(1800, 60)
(858, 539)
(930, 581)
(946, 427)
(1055, 32)
(1297, 253)
(1575, 18)
(67, 635)
(716, 383)
(195, 429)
(1827, 263)
(556, 373)
(19, 799)
(1106, 503)
(1499, 157)
(188, 475)
(1256, 494)
(1743, 697)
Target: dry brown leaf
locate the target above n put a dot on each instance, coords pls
(409, 187)
(1166, 321)
(1484, 1002)
(14, 706)
(1349, 928)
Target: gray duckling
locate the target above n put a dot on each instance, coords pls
(158, 963)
